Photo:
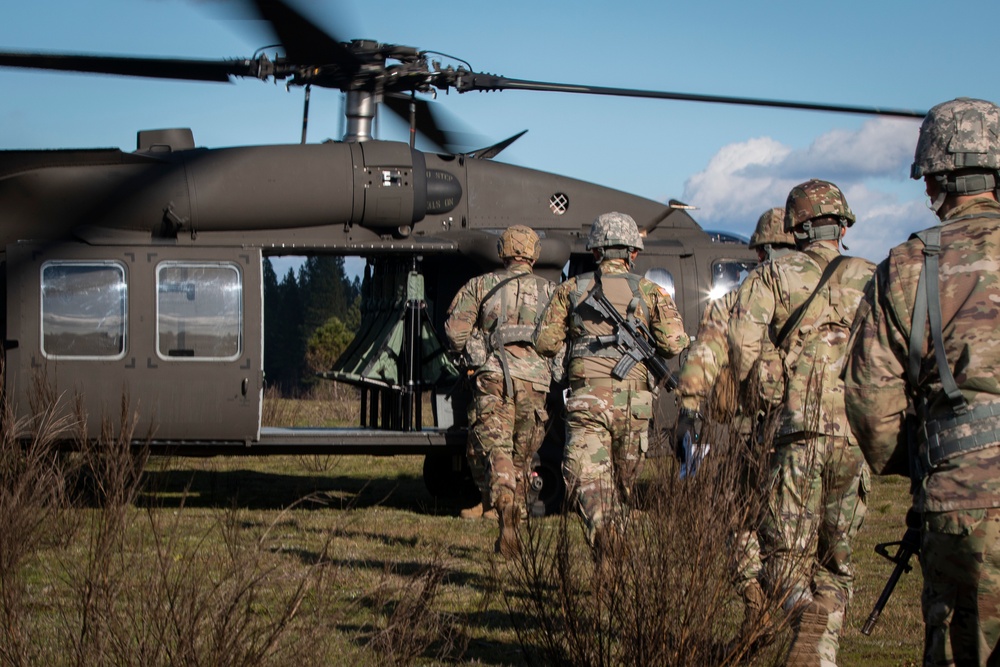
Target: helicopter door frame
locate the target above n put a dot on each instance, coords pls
(176, 331)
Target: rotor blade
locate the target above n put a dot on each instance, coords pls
(425, 122)
(491, 152)
(158, 68)
(305, 43)
(475, 81)
(446, 132)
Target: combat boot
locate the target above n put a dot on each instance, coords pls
(809, 629)
(508, 516)
(756, 631)
(484, 510)
(474, 512)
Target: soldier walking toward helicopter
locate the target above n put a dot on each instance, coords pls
(803, 303)
(608, 418)
(926, 345)
(709, 404)
(491, 321)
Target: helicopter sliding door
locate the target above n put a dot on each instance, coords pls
(176, 332)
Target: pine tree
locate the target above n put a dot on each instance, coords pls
(284, 342)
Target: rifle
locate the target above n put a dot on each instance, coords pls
(632, 339)
(907, 548)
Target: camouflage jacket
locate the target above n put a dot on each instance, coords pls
(812, 354)
(876, 380)
(708, 356)
(471, 322)
(558, 324)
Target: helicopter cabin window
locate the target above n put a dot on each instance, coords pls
(83, 310)
(728, 274)
(199, 311)
(663, 278)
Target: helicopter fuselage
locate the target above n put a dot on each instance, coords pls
(138, 276)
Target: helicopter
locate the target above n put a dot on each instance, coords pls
(141, 272)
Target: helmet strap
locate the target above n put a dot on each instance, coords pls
(813, 232)
(773, 252)
(967, 184)
(615, 252)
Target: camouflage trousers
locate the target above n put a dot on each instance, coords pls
(607, 435)
(745, 560)
(477, 462)
(744, 545)
(960, 560)
(507, 432)
(817, 497)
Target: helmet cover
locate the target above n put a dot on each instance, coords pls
(816, 199)
(614, 230)
(770, 230)
(960, 134)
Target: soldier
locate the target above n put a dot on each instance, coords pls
(803, 303)
(926, 344)
(491, 321)
(706, 392)
(607, 419)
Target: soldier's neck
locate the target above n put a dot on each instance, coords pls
(954, 201)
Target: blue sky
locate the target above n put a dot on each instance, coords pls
(730, 162)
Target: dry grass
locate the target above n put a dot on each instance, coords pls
(279, 561)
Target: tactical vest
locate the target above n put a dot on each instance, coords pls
(597, 339)
(500, 332)
(927, 309)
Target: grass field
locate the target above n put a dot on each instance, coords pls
(321, 561)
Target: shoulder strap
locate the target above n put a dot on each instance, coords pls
(496, 288)
(486, 297)
(927, 306)
(796, 317)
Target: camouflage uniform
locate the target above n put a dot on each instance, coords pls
(607, 423)
(698, 384)
(818, 481)
(957, 480)
(511, 385)
(706, 387)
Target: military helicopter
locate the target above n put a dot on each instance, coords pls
(141, 272)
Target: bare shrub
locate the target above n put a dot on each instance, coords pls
(666, 596)
(410, 624)
(277, 410)
(32, 494)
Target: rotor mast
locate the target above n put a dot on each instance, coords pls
(360, 111)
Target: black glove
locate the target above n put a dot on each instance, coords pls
(688, 425)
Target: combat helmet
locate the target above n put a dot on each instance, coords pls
(614, 230)
(520, 242)
(770, 230)
(959, 146)
(812, 200)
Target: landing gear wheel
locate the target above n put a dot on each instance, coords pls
(447, 476)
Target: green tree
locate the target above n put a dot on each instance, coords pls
(327, 343)
(326, 291)
(284, 344)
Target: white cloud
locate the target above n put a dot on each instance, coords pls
(881, 147)
(868, 164)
